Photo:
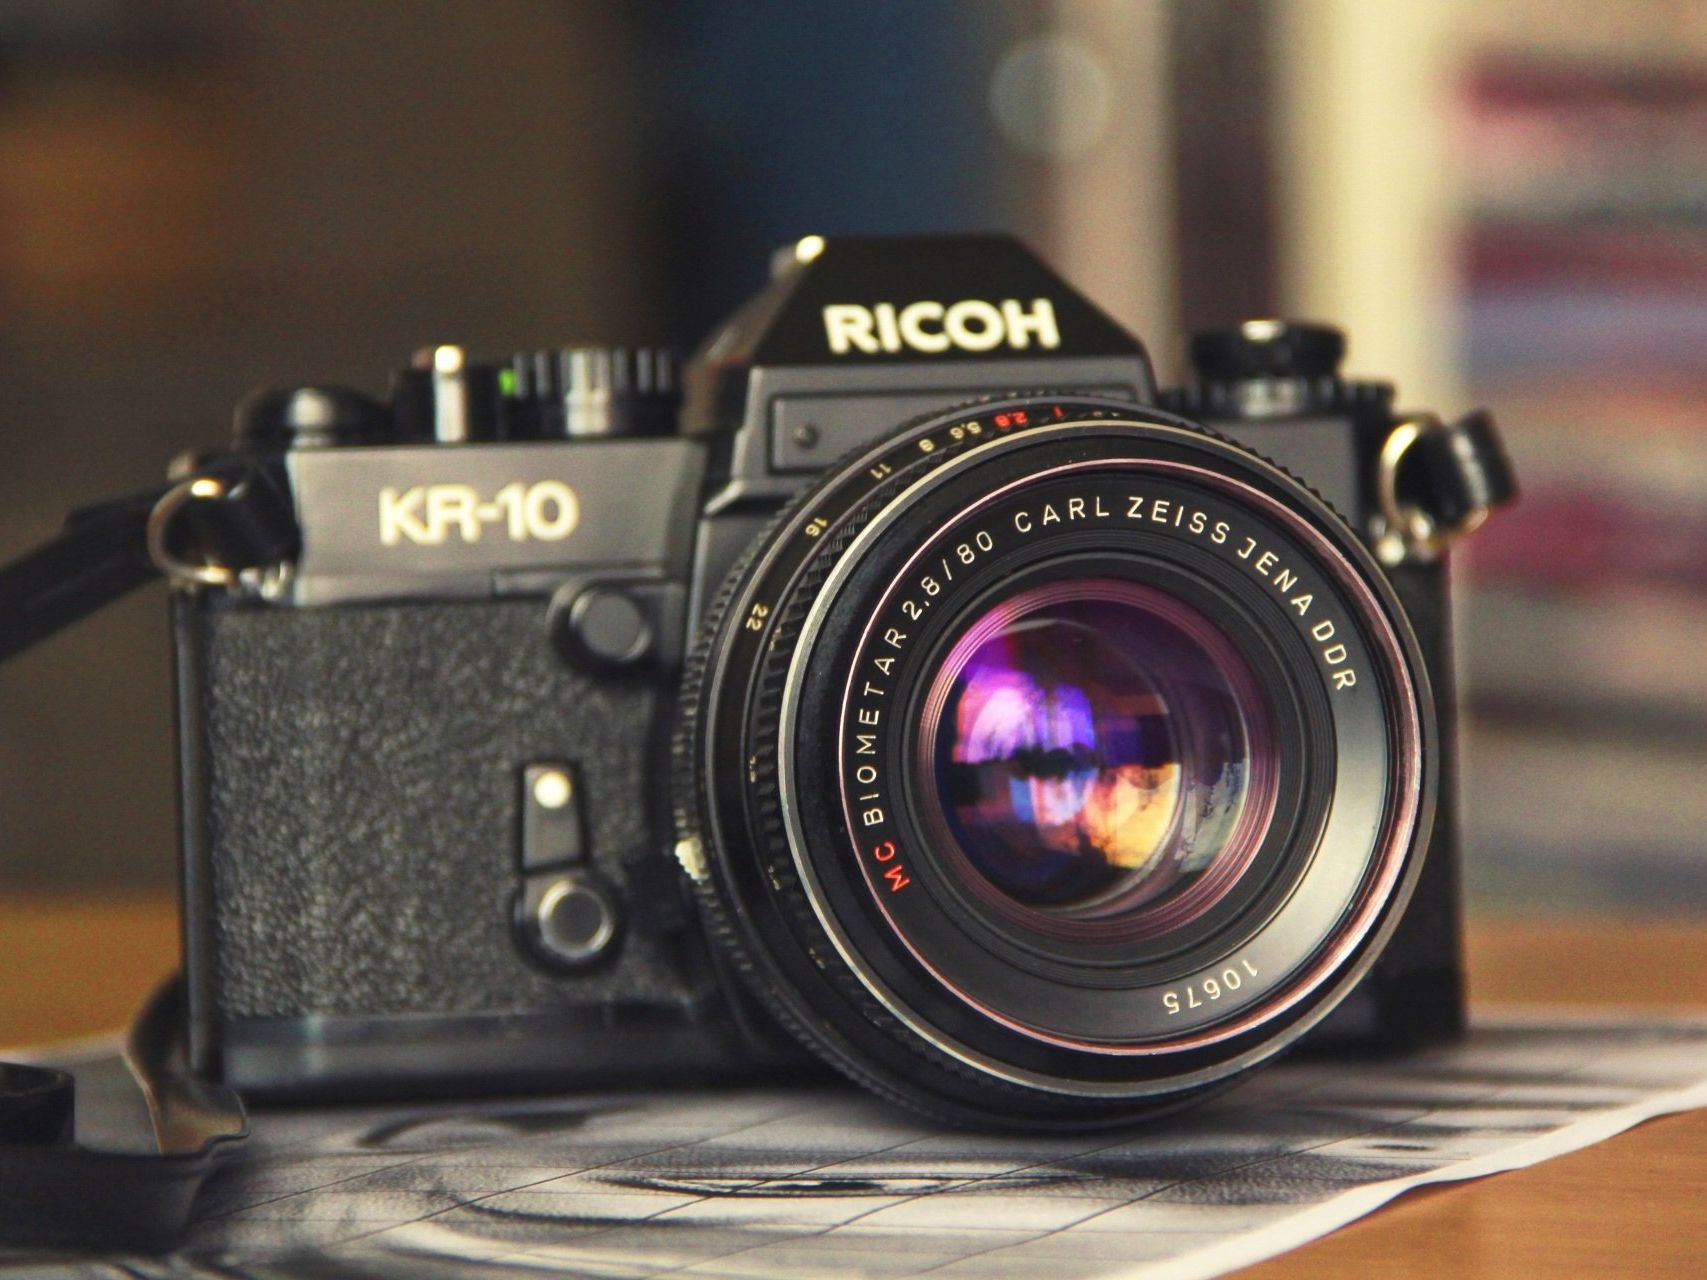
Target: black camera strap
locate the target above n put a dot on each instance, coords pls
(99, 556)
(57, 1186)
(56, 1190)
(206, 528)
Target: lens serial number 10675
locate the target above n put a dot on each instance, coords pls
(1207, 990)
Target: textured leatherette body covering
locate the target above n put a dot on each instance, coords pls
(362, 807)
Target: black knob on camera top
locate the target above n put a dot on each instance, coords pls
(1268, 349)
(1270, 369)
(581, 392)
(296, 417)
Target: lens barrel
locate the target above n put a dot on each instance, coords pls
(1055, 761)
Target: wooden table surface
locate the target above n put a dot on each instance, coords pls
(1635, 1205)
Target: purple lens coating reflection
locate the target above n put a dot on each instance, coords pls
(1102, 760)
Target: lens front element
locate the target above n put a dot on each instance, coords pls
(1100, 759)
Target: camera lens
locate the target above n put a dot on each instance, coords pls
(1055, 761)
(1098, 759)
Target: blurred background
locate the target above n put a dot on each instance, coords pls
(1503, 204)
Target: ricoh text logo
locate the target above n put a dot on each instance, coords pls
(428, 515)
(970, 325)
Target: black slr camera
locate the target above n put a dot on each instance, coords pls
(918, 684)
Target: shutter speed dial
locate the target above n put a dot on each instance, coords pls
(591, 392)
(443, 397)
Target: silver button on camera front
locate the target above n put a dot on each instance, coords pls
(568, 921)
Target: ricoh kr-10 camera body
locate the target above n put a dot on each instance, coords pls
(916, 683)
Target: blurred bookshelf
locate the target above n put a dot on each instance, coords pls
(1519, 206)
